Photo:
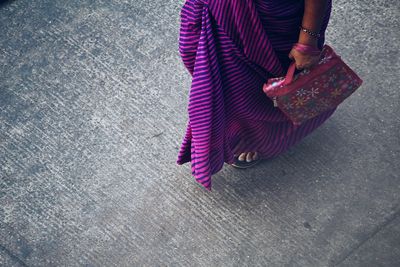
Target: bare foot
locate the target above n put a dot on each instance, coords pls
(248, 156)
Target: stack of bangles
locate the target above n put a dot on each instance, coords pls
(306, 49)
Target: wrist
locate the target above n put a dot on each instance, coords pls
(306, 39)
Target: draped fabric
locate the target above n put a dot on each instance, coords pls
(230, 48)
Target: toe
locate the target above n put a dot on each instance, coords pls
(249, 156)
(242, 156)
(255, 156)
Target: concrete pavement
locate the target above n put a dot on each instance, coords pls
(93, 99)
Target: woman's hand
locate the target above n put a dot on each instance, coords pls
(312, 20)
(303, 61)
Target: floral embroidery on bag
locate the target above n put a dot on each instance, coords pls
(324, 60)
(288, 106)
(336, 92)
(332, 78)
(301, 92)
(313, 92)
(300, 101)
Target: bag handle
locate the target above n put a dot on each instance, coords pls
(305, 49)
(290, 73)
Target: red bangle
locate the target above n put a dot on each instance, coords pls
(306, 49)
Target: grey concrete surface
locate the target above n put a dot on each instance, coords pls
(93, 99)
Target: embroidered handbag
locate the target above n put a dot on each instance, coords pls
(315, 90)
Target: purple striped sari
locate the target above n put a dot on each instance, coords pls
(230, 48)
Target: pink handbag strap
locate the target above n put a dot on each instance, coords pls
(306, 49)
(290, 73)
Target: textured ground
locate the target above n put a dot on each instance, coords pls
(93, 101)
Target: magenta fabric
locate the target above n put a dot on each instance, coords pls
(231, 48)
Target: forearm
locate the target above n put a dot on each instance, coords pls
(313, 16)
